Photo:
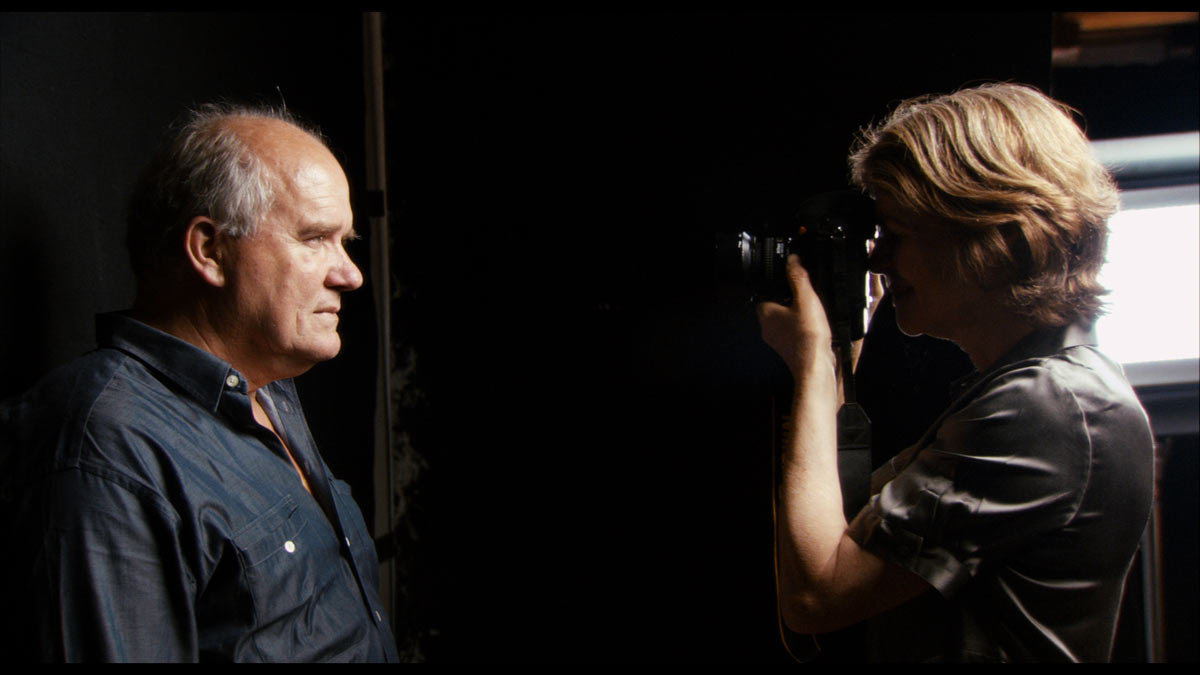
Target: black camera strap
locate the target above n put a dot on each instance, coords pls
(854, 427)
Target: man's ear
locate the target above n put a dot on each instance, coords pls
(204, 245)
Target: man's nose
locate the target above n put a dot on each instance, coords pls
(344, 275)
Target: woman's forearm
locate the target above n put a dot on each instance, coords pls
(811, 523)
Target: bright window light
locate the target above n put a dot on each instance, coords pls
(1153, 273)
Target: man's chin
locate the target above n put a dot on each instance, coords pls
(315, 353)
(328, 351)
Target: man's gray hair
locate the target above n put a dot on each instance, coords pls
(205, 169)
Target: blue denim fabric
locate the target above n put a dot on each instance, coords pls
(152, 519)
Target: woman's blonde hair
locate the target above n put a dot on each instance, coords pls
(1014, 181)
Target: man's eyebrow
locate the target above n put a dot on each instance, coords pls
(326, 230)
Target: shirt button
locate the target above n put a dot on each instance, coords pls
(378, 617)
(289, 546)
(347, 542)
(232, 381)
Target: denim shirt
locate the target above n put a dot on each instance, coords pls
(152, 519)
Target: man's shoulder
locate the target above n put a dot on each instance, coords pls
(70, 391)
(102, 394)
(61, 392)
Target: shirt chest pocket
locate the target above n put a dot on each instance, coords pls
(277, 555)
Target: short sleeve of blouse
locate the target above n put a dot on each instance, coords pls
(1009, 466)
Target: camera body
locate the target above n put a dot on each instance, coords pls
(830, 232)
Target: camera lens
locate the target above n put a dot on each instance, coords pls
(829, 232)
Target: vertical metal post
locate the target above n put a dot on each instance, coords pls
(385, 517)
(1152, 577)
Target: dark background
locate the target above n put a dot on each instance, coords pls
(584, 399)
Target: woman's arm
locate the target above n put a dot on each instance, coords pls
(826, 580)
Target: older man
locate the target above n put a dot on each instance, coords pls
(167, 500)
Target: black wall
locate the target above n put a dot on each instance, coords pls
(593, 402)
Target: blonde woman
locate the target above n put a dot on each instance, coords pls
(1006, 532)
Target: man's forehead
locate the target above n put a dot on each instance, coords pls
(315, 199)
(284, 146)
(302, 165)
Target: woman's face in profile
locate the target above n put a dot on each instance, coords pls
(915, 260)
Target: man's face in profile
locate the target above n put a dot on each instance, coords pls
(287, 278)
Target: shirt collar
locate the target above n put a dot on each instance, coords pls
(204, 376)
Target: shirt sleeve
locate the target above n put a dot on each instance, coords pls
(1006, 469)
(112, 585)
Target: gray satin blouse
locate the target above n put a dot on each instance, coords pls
(1023, 506)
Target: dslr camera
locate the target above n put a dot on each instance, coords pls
(830, 232)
